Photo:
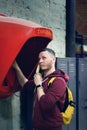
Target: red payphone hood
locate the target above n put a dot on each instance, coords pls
(21, 40)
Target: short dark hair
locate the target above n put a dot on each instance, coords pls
(49, 50)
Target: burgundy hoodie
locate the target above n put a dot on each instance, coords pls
(46, 113)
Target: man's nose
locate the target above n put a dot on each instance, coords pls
(41, 60)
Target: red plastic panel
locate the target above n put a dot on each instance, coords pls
(22, 40)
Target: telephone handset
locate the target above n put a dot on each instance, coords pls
(38, 70)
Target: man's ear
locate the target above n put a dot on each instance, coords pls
(54, 59)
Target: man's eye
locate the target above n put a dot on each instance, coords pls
(44, 58)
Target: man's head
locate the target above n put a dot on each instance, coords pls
(47, 59)
(49, 50)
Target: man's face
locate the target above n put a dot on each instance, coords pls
(46, 60)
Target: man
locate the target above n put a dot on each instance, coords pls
(46, 114)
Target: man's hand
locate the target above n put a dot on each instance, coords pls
(38, 79)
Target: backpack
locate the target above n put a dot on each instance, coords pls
(69, 105)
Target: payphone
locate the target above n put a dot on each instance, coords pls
(21, 40)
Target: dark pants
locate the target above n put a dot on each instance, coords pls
(58, 128)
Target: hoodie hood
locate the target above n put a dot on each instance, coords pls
(59, 73)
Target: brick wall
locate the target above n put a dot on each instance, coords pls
(81, 17)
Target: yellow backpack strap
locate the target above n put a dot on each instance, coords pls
(51, 80)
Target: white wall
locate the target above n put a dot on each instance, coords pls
(49, 13)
